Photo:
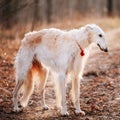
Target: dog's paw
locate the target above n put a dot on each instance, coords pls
(17, 109)
(23, 103)
(79, 112)
(64, 114)
(45, 107)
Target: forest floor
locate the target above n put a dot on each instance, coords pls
(100, 87)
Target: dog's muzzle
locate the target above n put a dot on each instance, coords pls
(105, 50)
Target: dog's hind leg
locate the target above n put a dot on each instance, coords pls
(28, 88)
(42, 74)
(23, 64)
(76, 94)
(15, 95)
(20, 83)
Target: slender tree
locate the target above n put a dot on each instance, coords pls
(35, 16)
(48, 10)
(110, 7)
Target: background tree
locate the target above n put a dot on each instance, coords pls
(37, 11)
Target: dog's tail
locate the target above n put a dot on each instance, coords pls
(23, 73)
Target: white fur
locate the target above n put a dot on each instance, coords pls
(57, 51)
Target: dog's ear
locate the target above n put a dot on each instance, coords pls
(90, 27)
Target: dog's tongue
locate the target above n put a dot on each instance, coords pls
(82, 53)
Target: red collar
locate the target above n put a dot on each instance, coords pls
(81, 50)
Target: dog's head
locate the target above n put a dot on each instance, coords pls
(97, 36)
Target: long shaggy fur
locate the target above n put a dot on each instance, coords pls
(57, 51)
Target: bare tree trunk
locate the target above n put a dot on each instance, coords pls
(5, 14)
(110, 7)
(116, 7)
(8, 10)
(48, 10)
(35, 16)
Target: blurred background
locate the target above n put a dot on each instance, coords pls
(100, 90)
(37, 12)
(20, 16)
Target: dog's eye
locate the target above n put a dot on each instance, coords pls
(100, 35)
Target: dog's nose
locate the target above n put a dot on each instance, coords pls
(106, 50)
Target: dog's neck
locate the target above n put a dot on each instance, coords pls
(81, 41)
(82, 53)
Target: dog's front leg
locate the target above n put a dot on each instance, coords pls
(62, 90)
(76, 95)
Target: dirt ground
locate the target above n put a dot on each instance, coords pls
(100, 87)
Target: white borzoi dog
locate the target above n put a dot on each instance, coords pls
(61, 52)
